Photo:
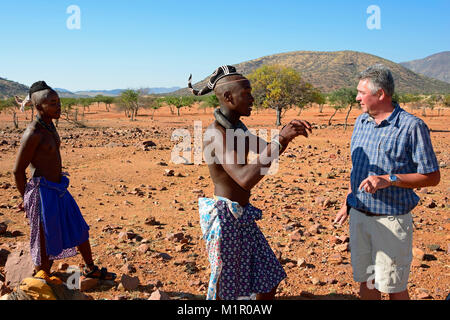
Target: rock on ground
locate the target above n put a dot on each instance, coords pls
(19, 265)
(159, 295)
(129, 283)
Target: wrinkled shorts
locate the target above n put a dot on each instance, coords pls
(381, 250)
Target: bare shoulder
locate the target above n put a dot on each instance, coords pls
(213, 125)
(32, 133)
(213, 138)
(213, 132)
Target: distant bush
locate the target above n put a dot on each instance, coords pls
(9, 105)
(341, 99)
(209, 102)
(180, 102)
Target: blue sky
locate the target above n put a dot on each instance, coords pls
(157, 43)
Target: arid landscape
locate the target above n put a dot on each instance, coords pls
(144, 219)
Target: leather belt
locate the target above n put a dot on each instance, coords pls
(370, 214)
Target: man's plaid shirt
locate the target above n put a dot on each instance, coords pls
(399, 144)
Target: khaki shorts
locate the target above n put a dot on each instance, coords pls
(381, 250)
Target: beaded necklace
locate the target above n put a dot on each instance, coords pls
(50, 127)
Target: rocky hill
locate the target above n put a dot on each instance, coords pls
(117, 92)
(333, 70)
(10, 88)
(436, 66)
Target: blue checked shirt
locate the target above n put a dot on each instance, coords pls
(399, 144)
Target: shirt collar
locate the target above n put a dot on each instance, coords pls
(392, 119)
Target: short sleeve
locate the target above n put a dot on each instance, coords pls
(422, 150)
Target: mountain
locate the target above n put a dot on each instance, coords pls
(436, 66)
(93, 93)
(163, 90)
(10, 88)
(117, 92)
(63, 93)
(333, 70)
(63, 90)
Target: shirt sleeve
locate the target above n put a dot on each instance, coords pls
(422, 150)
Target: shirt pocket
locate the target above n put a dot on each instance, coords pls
(392, 152)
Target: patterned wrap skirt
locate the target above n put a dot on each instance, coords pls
(51, 205)
(241, 259)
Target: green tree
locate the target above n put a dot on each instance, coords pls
(402, 99)
(121, 106)
(10, 105)
(209, 102)
(66, 106)
(128, 100)
(148, 102)
(108, 101)
(437, 99)
(341, 99)
(412, 99)
(99, 99)
(279, 88)
(424, 102)
(307, 97)
(85, 103)
(430, 102)
(319, 98)
(69, 112)
(180, 102)
(157, 103)
(447, 100)
(188, 102)
(336, 108)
